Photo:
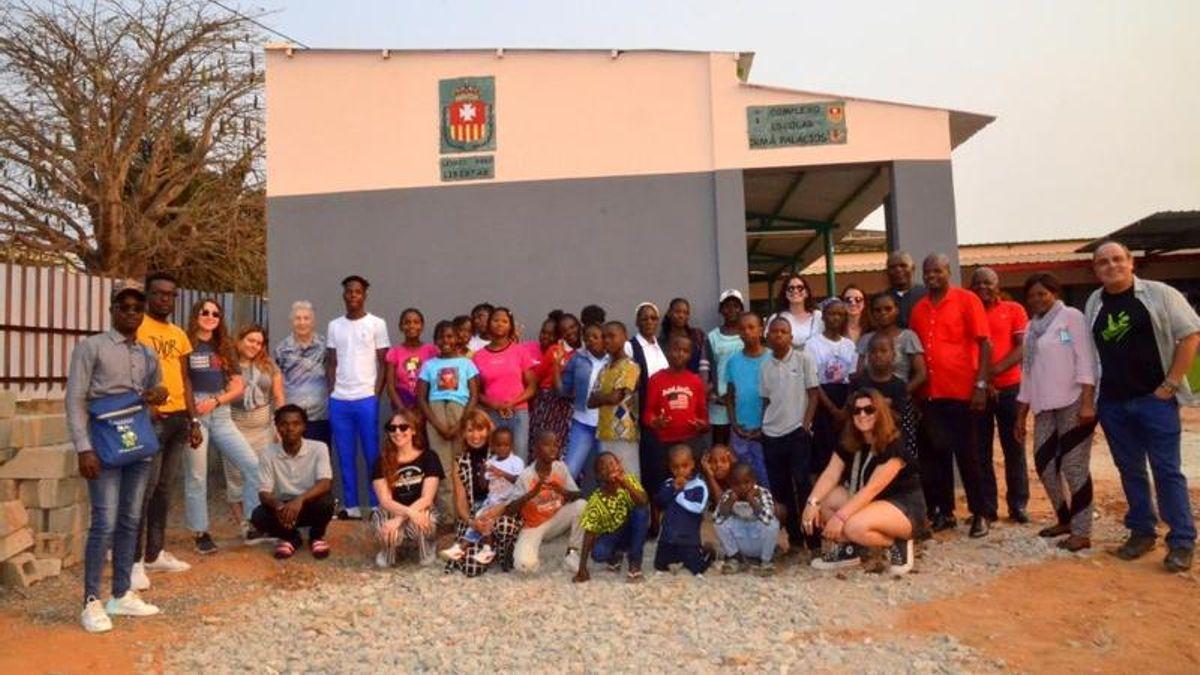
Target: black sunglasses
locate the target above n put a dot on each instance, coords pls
(397, 427)
(864, 410)
(216, 314)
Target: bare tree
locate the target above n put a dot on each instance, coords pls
(131, 137)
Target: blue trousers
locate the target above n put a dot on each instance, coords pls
(1141, 429)
(355, 424)
(750, 452)
(582, 448)
(518, 424)
(631, 538)
(116, 497)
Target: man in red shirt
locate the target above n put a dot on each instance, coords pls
(676, 402)
(1006, 327)
(953, 328)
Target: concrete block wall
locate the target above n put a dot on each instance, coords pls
(44, 510)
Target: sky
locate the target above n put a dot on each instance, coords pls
(1096, 101)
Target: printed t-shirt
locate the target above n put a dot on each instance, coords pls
(1129, 363)
(502, 373)
(449, 379)
(742, 371)
(543, 505)
(722, 347)
(835, 360)
(356, 343)
(406, 482)
(1006, 323)
(618, 422)
(906, 483)
(169, 342)
(950, 332)
(606, 513)
(406, 363)
(680, 399)
(206, 369)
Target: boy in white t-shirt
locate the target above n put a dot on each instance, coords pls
(502, 468)
(357, 345)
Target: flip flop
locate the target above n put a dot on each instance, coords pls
(284, 550)
(320, 549)
(635, 576)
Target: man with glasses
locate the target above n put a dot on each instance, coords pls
(174, 421)
(104, 365)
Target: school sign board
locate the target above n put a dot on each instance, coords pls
(781, 126)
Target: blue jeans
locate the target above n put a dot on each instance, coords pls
(518, 424)
(749, 537)
(116, 497)
(1144, 428)
(750, 452)
(630, 538)
(355, 423)
(218, 428)
(582, 448)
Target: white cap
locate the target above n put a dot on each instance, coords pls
(731, 293)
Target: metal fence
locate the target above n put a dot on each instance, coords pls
(46, 311)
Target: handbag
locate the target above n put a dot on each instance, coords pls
(120, 429)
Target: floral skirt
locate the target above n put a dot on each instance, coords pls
(550, 412)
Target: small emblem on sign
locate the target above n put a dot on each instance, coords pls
(468, 114)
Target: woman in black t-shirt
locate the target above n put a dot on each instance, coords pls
(405, 479)
(869, 496)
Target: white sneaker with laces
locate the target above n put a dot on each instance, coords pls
(381, 560)
(165, 562)
(484, 555)
(354, 513)
(138, 580)
(130, 604)
(94, 618)
(453, 554)
(571, 560)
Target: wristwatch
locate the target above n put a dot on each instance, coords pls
(1169, 386)
(981, 384)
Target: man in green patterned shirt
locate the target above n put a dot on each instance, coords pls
(615, 519)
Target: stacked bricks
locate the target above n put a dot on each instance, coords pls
(43, 501)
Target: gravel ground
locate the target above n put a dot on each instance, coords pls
(418, 619)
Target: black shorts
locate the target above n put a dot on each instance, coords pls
(912, 505)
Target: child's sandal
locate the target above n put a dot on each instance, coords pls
(635, 576)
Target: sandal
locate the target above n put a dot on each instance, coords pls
(320, 549)
(635, 576)
(284, 550)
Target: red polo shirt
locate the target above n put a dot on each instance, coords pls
(1006, 323)
(950, 332)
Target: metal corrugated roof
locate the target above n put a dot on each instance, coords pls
(1157, 233)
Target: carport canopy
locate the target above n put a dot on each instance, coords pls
(1160, 232)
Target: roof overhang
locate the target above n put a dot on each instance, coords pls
(1156, 233)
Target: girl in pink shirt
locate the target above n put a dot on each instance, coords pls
(405, 360)
(507, 379)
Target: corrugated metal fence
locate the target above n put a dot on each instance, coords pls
(45, 311)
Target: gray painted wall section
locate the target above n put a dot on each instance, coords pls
(533, 246)
(920, 211)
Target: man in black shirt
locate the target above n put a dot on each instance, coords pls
(1146, 336)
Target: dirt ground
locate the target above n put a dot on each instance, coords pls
(1091, 613)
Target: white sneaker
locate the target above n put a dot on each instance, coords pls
(130, 604)
(453, 554)
(353, 513)
(484, 555)
(167, 563)
(138, 580)
(571, 560)
(381, 560)
(94, 618)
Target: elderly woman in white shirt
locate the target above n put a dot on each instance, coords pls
(1058, 384)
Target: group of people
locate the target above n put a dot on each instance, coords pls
(833, 428)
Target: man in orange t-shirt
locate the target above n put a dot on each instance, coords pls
(1006, 327)
(953, 328)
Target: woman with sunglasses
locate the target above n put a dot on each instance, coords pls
(796, 304)
(212, 370)
(405, 480)
(859, 319)
(869, 497)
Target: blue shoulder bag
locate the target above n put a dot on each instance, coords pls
(121, 430)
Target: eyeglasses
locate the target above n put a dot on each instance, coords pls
(216, 314)
(853, 300)
(863, 410)
(796, 288)
(393, 428)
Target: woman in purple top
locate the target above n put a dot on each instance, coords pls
(1058, 384)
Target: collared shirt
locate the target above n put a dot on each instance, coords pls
(170, 343)
(578, 379)
(1006, 327)
(906, 300)
(287, 476)
(656, 360)
(785, 383)
(103, 365)
(950, 330)
(1170, 314)
(303, 368)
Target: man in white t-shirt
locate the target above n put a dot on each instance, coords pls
(354, 369)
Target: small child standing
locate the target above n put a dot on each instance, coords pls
(742, 397)
(404, 361)
(682, 498)
(615, 519)
(835, 358)
(501, 469)
(880, 374)
(746, 523)
(616, 397)
(676, 403)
